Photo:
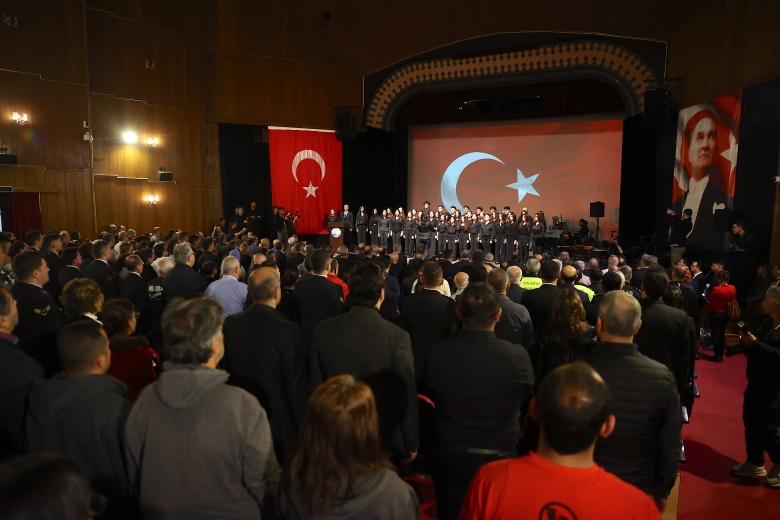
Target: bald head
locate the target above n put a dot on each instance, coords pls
(569, 274)
(264, 286)
(461, 280)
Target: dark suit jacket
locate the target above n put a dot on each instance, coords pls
(40, 320)
(429, 317)
(539, 303)
(345, 265)
(293, 261)
(462, 264)
(515, 292)
(583, 297)
(105, 277)
(515, 324)
(68, 274)
(478, 383)
(667, 335)
(264, 355)
(182, 280)
(638, 277)
(449, 270)
(316, 298)
(378, 353)
(136, 289)
(17, 372)
(54, 262)
(705, 235)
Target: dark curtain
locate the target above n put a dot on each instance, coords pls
(369, 171)
(245, 168)
(26, 213)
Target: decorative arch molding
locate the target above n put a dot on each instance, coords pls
(606, 61)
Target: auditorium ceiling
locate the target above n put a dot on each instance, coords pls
(372, 35)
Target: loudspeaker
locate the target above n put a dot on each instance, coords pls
(345, 126)
(165, 176)
(596, 209)
(658, 106)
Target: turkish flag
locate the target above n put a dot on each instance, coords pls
(306, 175)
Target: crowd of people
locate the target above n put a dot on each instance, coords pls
(247, 373)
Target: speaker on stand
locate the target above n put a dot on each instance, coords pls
(597, 211)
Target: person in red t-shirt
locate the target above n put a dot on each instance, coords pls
(560, 480)
(722, 293)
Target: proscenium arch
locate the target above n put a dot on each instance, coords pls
(604, 61)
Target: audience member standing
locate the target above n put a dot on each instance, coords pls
(264, 355)
(375, 351)
(134, 288)
(560, 479)
(71, 258)
(40, 318)
(182, 280)
(539, 302)
(717, 306)
(229, 291)
(81, 412)
(101, 272)
(645, 446)
(515, 324)
(316, 297)
(478, 384)
(196, 447)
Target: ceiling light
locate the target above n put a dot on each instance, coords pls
(130, 137)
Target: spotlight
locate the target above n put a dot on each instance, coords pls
(153, 141)
(130, 137)
(18, 118)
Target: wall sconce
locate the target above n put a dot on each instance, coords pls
(153, 199)
(18, 118)
(153, 141)
(130, 137)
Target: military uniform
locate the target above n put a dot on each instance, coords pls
(40, 320)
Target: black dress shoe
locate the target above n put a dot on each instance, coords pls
(696, 390)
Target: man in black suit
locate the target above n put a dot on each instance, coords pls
(72, 260)
(514, 274)
(628, 275)
(465, 260)
(317, 298)
(345, 260)
(667, 334)
(17, 372)
(612, 281)
(51, 249)
(182, 280)
(448, 267)
(568, 278)
(478, 384)
(539, 302)
(348, 219)
(297, 258)
(40, 318)
(690, 298)
(136, 289)
(514, 325)
(476, 271)
(376, 352)
(638, 276)
(270, 365)
(101, 272)
(428, 316)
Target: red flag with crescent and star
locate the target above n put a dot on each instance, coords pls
(306, 175)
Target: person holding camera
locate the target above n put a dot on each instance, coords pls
(761, 406)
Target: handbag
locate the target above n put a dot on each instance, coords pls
(733, 310)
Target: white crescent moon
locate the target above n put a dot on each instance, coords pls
(449, 181)
(307, 154)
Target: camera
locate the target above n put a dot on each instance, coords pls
(739, 348)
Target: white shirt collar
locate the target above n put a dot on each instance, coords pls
(695, 193)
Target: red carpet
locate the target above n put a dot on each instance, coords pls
(714, 442)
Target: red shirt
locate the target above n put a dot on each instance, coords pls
(720, 297)
(335, 279)
(532, 487)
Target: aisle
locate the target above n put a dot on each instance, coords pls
(714, 442)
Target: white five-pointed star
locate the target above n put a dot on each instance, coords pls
(731, 153)
(311, 190)
(524, 186)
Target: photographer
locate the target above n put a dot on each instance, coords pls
(761, 407)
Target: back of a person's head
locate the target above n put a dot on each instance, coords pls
(620, 313)
(116, 314)
(431, 274)
(31, 238)
(628, 273)
(163, 266)
(46, 486)
(79, 344)
(498, 280)
(478, 256)
(339, 438)
(290, 278)
(182, 252)
(417, 264)
(568, 314)
(654, 283)
(81, 295)
(596, 275)
(568, 274)
(573, 403)
(99, 248)
(549, 271)
(478, 305)
(365, 283)
(514, 274)
(673, 297)
(263, 282)
(320, 261)
(465, 254)
(533, 265)
(188, 327)
(611, 281)
(723, 276)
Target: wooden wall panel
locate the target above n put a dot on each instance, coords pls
(61, 195)
(267, 91)
(132, 9)
(184, 17)
(53, 134)
(48, 39)
(259, 28)
(724, 46)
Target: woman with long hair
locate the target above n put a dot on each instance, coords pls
(566, 335)
(337, 468)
